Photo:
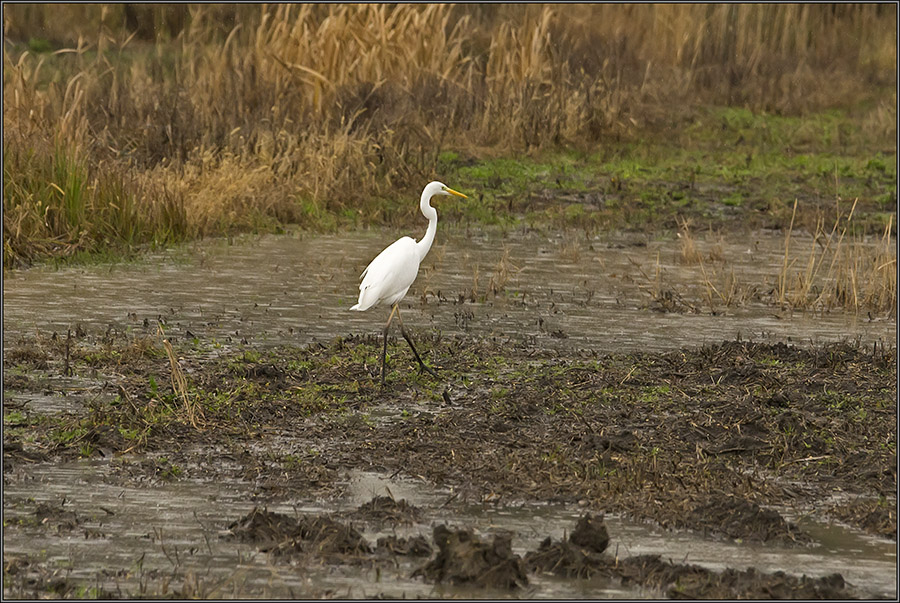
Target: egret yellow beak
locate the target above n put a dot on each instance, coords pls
(453, 192)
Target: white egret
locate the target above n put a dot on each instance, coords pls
(388, 277)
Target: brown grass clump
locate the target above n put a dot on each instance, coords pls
(191, 409)
(181, 120)
(503, 271)
(840, 271)
(689, 252)
(835, 270)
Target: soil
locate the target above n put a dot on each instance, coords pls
(280, 534)
(465, 558)
(712, 439)
(678, 581)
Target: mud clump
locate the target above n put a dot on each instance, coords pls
(582, 557)
(329, 536)
(281, 534)
(681, 581)
(739, 518)
(384, 509)
(14, 453)
(579, 557)
(871, 515)
(464, 558)
(415, 546)
(268, 530)
(590, 533)
(65, 521)
(564, 559)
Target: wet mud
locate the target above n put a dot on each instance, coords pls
(579, 556)
(718, 440)
(282, 534)
(384, 510)
(682, 581)
(463, 557)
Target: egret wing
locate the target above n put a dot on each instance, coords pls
(388, 277)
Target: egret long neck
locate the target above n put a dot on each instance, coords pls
(429, 212)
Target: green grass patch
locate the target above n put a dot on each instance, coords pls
(754, 165)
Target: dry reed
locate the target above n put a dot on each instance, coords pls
(208, 119)
(503, 272)
(192, 411)
(838, 271)
(841, 272)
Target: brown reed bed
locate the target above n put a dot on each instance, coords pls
(133, 124)
(840, 271)
(828, 269)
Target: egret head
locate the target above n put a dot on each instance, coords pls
(438, 188)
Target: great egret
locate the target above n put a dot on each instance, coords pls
(388, 277)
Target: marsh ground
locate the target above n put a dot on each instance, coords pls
(569, 130)
(711, 439)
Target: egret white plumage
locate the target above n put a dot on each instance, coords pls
(388, 277)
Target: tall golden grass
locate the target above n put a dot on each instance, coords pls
(840, 271)
(828, 269)
(185, 120)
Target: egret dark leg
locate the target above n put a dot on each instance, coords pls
(409, 341)
(384, 350)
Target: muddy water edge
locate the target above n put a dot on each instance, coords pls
(214, 427)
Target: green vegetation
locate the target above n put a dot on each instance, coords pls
(760, 168)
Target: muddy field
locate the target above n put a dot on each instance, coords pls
(714, 440)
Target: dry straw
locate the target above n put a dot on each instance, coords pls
(841, 272)
(193, 412)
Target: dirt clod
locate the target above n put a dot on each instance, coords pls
(679, 581)
(464, 558)
(282, 534)
(739, 518)
(384, 509)
(56, 515)
(682, 581)
(590, 533)
(871, 515)
(269, 530)
(564, 559)
(415, 546)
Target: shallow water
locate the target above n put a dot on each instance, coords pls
(555, 292)
(163, 531)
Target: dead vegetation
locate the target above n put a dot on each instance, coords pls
(825, 270)
(144, 124)
(840, 271)
(650, 435)
(479, 562)
(713, 439)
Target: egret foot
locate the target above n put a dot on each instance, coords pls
(422, 365)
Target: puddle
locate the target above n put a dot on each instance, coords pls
(56, 399)
(132, 539)
(286, 290)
